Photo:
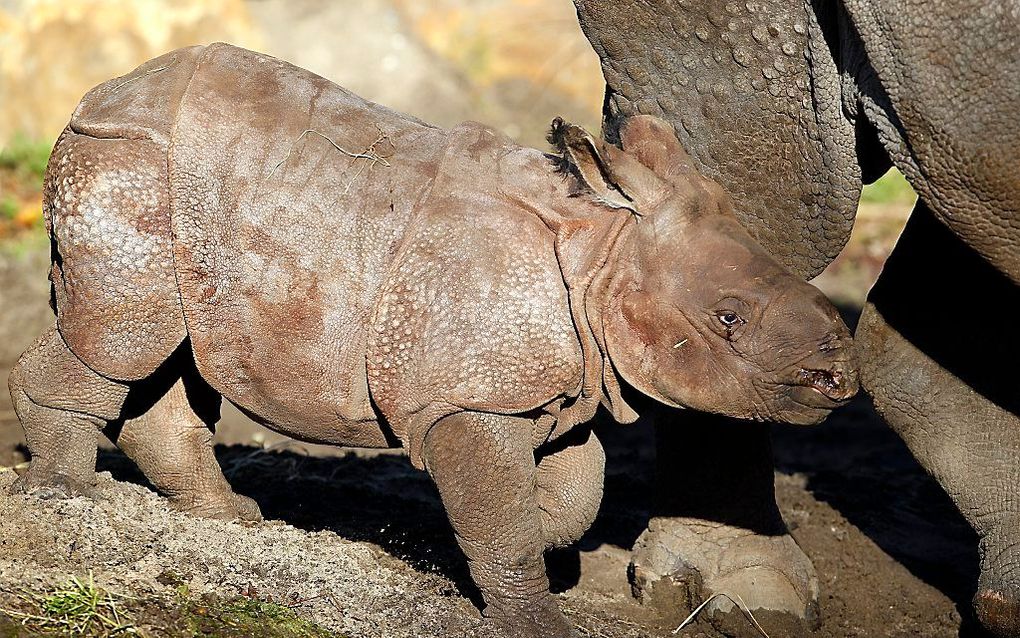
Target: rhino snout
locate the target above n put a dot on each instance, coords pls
(839, 382)
(831, 370)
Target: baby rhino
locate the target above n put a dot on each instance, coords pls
(227, 225)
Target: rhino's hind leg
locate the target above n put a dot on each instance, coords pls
(62, 405)
(568, 483)
(172, 444)
(107, 209)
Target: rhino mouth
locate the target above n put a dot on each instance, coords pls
(829, 387)
(811, 395)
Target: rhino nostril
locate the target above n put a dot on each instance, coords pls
(831, 342)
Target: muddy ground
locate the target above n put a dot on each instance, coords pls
(358, 543)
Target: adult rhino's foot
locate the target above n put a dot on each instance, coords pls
(998, 612)
(679, 562)
(997, 601)
(47, 484)
(223, 505)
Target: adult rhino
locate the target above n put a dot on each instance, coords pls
(791, 107)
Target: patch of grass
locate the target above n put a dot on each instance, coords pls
(82, 609)
(891, 188)
(77, 608)
(249, 617)
(25, 157)
(22, 167)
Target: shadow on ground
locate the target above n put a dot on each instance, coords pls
(853, 463)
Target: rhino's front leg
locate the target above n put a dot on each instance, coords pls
(484, 467)
(569, 484)
(950, 391)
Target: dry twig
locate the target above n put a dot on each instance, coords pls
(369, 153)
(172, 62)
(735, 599)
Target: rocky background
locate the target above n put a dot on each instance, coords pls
(514, 64)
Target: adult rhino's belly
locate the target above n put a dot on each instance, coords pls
(281, 239)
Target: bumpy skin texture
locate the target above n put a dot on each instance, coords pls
(349, 275)
(106, 205)
(136, 302)
(933, 88)
(732, 77)
(958, 413)
(943, 91)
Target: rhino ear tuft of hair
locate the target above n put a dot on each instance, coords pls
(582, 156)
(555, 136)
(564, 165)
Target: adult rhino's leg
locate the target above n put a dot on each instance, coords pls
(717, 528)
(484, 467)
(172, 444)
(940, 346)
(62, 405)
(754, 93)
(569, 482)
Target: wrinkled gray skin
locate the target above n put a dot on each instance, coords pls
(224, 224)
(790, 106)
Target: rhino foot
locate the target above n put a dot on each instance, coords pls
(997, 601)
(224, 506)
(680, 562)
(999, 614)
(52, 485)
(543, 620)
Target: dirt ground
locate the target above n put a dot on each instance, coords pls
(358, 542)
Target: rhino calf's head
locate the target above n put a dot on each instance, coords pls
(695, 313)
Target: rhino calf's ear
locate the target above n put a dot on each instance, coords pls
(587, 159)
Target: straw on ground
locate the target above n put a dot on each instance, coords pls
(735, 599)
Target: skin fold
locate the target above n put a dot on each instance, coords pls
(791, 107)
(226, 225)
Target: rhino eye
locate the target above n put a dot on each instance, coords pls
(729, 319)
